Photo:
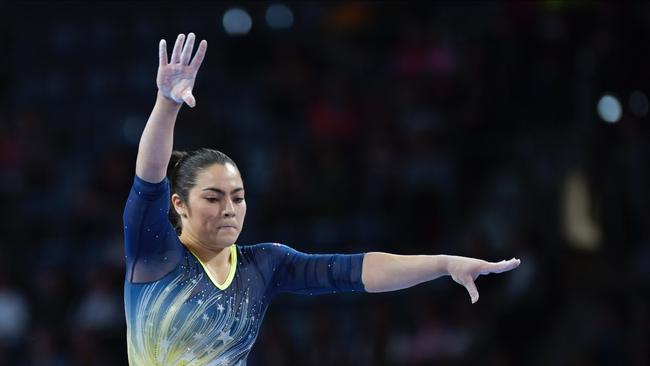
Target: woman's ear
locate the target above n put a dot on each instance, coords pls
(179, 206)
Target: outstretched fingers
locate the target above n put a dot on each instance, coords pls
(177, 74)
(187, 49)
(182, 52)
(178, 46)
(466, 270)
(200, 54)
(500, 267)
(162, 53)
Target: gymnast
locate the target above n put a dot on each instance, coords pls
(192, 295)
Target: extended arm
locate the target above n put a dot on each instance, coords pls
(389, 272)
(175, 81)
(150, 242)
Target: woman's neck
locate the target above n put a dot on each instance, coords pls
(207, 254)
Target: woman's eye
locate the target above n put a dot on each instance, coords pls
(212, 199)
(239, 199)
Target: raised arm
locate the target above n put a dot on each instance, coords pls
(384, 272)
(175, 81)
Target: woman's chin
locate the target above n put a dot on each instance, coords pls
(224, 240)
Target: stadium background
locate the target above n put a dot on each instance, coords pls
(482, 129)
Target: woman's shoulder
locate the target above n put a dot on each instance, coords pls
(146, 190)
(264, 251)
(264, 246)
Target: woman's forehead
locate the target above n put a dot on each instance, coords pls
(225, 175)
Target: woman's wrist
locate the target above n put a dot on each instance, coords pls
(167, 102)
(444, 261)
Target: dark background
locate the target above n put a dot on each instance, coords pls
(465, 128)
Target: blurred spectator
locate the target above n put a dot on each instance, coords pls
(99, 308)
(14, 317)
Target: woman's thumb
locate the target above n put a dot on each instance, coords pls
(189, 99)
(471, 288)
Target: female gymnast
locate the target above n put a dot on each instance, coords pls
(194, 297)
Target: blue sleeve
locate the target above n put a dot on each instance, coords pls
(151, 246)
(289, 270)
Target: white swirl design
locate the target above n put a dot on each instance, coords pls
(174, 327)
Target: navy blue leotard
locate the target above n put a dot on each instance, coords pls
(177, 314)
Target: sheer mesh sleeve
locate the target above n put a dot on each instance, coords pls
(292, 271)
(151, 245)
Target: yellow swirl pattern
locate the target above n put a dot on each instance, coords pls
(171, 329)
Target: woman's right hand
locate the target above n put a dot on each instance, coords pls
(175, 78)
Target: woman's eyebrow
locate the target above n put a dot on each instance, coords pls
(220, 191)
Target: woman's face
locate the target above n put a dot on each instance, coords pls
(216, 207)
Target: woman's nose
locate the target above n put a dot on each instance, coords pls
(229, 210)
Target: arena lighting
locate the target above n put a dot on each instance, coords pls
(581, 230)
(609, 108)
(236, 21)
(279, 16)
(638, 104)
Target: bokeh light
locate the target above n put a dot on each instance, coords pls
(638, 103)
(279, 16)
(609, 108)
(236, 21)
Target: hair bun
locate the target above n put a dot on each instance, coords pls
(177, 157)
(175, 162)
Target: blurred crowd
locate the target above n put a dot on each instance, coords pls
(466, 129)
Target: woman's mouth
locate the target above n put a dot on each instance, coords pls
(227, 227)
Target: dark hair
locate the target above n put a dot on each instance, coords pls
(183, 168)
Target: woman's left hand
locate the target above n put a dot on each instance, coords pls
(176, 77)
(465, 270)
